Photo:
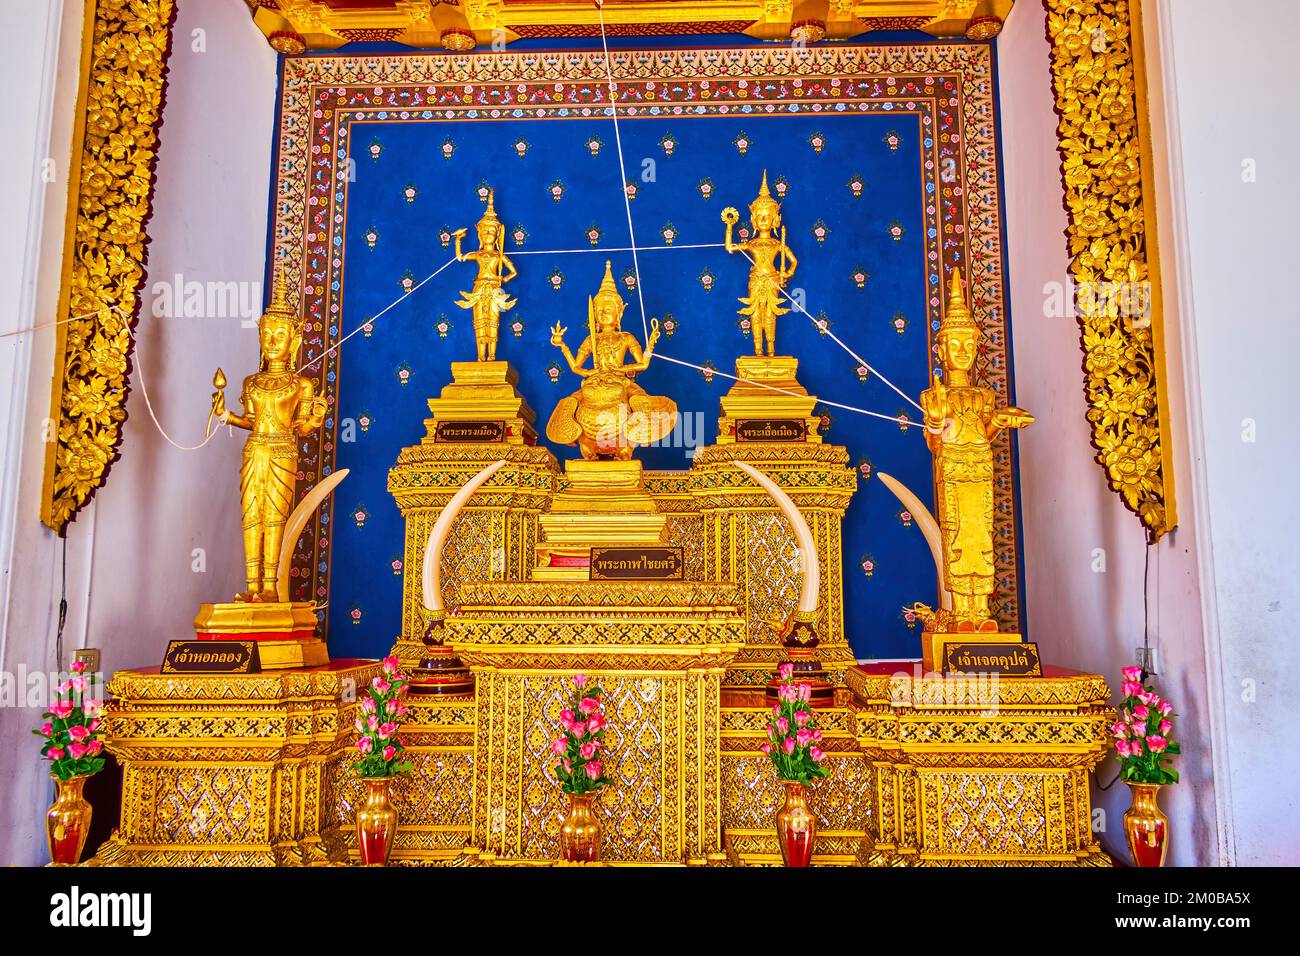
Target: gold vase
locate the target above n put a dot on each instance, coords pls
(580, 834)
(68, 821)
(1146, 828)
(376, 823)
(795, 825)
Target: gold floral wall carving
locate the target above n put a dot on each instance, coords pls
(1104, 140)
(114, 152)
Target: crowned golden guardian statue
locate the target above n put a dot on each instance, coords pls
(961, 421)
(773, 263)
(610, 413)
(280, 405)
(487, 300)
(766, 403)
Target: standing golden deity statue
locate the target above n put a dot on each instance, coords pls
(279, 406)
(773, 265)
(610, 413)
(961, 420)
(487, 300)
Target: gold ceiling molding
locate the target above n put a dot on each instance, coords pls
(1099, 83)
(292, 26)
(125, 44)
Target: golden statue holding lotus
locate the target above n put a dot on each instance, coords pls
(279, 405)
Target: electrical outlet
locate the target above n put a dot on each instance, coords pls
(89, 655)
(1146, 659)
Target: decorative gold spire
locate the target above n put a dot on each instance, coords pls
(491, 214)
(280, 306)
(765, 201)
(958, 314)
(608, 288)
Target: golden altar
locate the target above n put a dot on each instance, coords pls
(726, 570)
(254, 769)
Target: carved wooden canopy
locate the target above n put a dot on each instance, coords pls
(292, 26)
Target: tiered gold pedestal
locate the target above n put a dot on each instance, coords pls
(979, 770)
(496, 535)
(768, 405)
(229, 769)
(747, 540)
(600, 503)
(482, 405)
(659, 651)
(285, 631)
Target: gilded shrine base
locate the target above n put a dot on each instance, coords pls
(254, 770)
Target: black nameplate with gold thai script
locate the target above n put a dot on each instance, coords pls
(1009, 659)
(211, 657)
(772, 430)
(637, 564)
(469, 433)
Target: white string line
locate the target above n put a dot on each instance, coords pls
(46, 325)
(827, 331)
(144, 390)
(139, 369)
(405, 295)
(783, 391)
(557, 252)
(622, 169)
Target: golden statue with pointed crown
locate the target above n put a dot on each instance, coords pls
(487, 300)
(773, 265)
(610, 414)
(961, 420)
(279, 406)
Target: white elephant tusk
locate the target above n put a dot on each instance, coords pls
(929, 528)
(806, 547)
(297, 521)
(431, 571)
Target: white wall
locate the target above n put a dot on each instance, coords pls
(1080, 617)
(1228, 154)
(130, 587)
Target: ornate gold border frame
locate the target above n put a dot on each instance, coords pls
(1098, 79)
(110, 175)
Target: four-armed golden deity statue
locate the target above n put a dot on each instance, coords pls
(279, 405)
(961, 420)
(610, 413)
(773, 265)
(487, 300)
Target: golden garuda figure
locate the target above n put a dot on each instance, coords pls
(961, 420)
(773, 265)
(279, 406)
(610, 413)
(487, 300)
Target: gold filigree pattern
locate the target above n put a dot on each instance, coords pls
(1106, 169)
(229, 769)
(115, 144)
(979, 772)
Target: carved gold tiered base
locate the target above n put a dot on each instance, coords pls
(285, 631)
(600, 503)
(658, 650)
(768, 405)
(981, 770)
(747, 540)
(229, 770)
(494, 538)
(482, 405)
(751, 793)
